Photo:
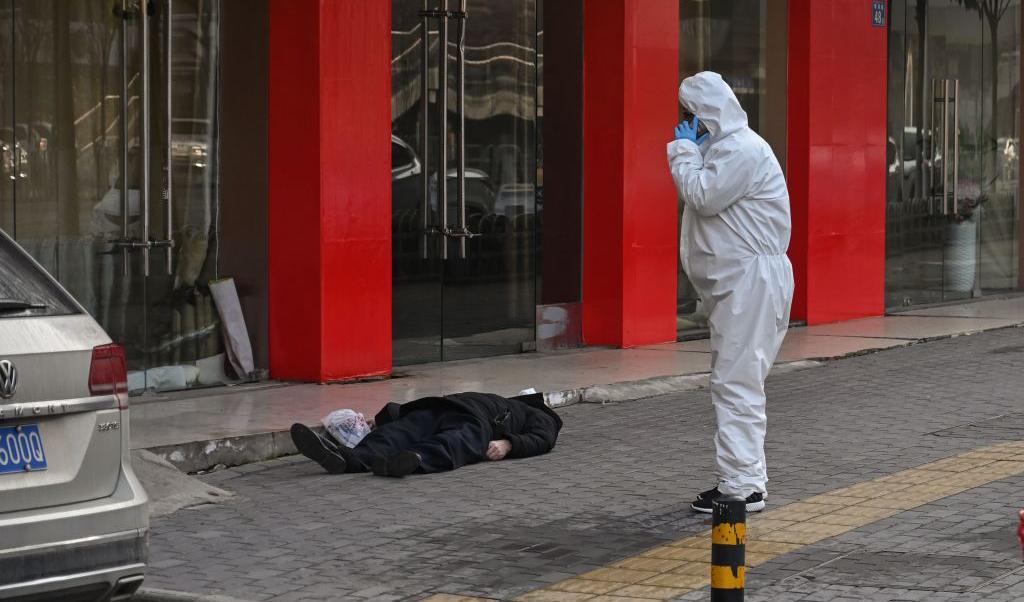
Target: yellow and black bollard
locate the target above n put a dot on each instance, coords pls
(728, 550)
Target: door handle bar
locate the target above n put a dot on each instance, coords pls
(425, 118)
(168, 242)
(146, 136)
(459, 231)
(929, 144)
(127, 243)
(945, 147)
(956, 144)
(442, 132)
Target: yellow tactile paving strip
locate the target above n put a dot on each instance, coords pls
(683, 566)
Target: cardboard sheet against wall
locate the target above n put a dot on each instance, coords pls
(236, 335)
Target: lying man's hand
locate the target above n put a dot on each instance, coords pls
(497, 450)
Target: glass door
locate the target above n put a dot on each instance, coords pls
(111, 185)
(8, 173)
(952, 201)
(185, 346)
(464, 269)
(72, 154)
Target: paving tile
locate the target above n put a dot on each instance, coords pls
(676, 580)
(701, 541)
(642, 563)
(692, 568)
(849, 520)
(996, 308)
(554, 596)
(586, 586)
(650, 592)
(619, 575)
(804, 533)
(910, 327)
(957, 464)
(500, 530)
(682, 553)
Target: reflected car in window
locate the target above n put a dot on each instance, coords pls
(404, 162)
(190, 142)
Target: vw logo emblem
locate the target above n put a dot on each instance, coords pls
(8, 379)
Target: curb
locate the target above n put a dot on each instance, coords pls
(652, 387)
(148, 594)
(204, 456)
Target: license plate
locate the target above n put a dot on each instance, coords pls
(21, 449)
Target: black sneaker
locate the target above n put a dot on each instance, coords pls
(703, 503)
(313, 447)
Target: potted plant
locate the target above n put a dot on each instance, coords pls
(960, 263)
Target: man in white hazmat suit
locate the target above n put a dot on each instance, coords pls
(735, 232)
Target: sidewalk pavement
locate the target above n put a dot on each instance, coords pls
(234, 426)
(895, 476)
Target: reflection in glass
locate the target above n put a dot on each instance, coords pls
(952, 208)
(71, 141)
(6, 116)
(483, 304)
(729, 37)
(185, 341)
(77, 166)
(999, 230)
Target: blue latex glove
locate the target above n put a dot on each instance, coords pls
(688, 131)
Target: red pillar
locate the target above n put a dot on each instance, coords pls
(330, 189)
(631, 78)
(836, 159)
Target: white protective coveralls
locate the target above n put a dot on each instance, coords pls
(735, 233)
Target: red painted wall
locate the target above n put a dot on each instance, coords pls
(631, 77)
(330, 189)
(836, 159)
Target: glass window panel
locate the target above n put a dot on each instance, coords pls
(999, 239)
(745, 42)
(952, 213)
(483, 304)
(75, 144)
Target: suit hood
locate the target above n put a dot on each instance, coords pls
(708, 97)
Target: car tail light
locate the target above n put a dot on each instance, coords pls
(1020, 532)
(108, 373)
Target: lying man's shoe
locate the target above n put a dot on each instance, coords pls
(313, 447)
(703, 503)
(399, 465)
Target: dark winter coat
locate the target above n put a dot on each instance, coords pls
(525, 421)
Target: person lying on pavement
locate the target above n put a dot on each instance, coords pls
(437, 434)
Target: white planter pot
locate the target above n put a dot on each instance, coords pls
(961, 257)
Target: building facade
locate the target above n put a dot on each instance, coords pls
(298, 147)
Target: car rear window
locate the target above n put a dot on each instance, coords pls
(25, 288)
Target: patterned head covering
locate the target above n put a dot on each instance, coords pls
(348, 427)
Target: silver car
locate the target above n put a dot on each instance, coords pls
(73, 517)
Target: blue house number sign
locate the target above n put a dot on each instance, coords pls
(878, 13)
